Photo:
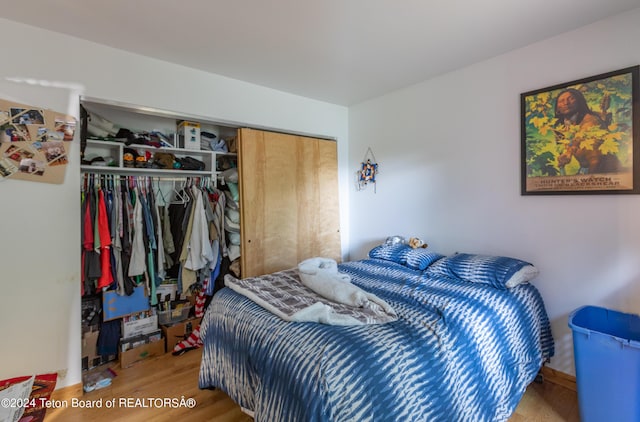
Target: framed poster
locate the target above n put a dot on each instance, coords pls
(581, 137)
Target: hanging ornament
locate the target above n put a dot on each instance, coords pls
(367, 172)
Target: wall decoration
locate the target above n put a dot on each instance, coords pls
(34, 143)
(582, 137)
(367, 172)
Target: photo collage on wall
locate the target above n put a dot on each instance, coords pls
(34, 142)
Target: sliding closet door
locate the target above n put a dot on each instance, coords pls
(289, 200)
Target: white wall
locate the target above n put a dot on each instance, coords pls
(449, 154)
(40, 228)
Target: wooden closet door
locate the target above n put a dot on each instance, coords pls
(289, 200)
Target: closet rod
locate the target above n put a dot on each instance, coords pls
(199, 180)
(166, 179)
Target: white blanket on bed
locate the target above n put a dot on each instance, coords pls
(284, 294)
(321, 275)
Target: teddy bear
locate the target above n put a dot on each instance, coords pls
(416, 243)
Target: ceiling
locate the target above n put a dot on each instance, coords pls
(339, 51)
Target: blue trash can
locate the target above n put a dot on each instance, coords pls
(606, 348)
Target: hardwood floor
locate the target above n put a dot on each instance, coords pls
(547, 402)
(173, 377)
(166, 376)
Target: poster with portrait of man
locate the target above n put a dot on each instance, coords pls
(581, 137)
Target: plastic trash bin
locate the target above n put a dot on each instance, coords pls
(606, 347)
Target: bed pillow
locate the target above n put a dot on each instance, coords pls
(420, 259)
(500, 272)
(417, 259)
(395, 253)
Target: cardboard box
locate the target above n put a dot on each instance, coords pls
(175, 333)
(90, 349)
(133, 342)
(139, 326)
(189, 135)
(232, 144)
(141, 353)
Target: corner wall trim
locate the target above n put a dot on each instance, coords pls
(559, 378)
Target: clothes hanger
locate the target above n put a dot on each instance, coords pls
(178, 196)
(159, 194)
(186, 189)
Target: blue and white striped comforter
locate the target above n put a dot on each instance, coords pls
(458, 352)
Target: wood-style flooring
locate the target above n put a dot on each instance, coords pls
(174, 377)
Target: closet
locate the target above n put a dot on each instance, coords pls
(136, 306)
(277, 197)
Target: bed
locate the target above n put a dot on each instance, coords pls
(461, 349)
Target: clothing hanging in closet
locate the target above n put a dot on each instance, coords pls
(132, 234)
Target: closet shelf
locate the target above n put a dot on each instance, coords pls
(143, 119)
(115, 151)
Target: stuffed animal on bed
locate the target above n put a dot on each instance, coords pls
(416, 243)
(394, 240)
